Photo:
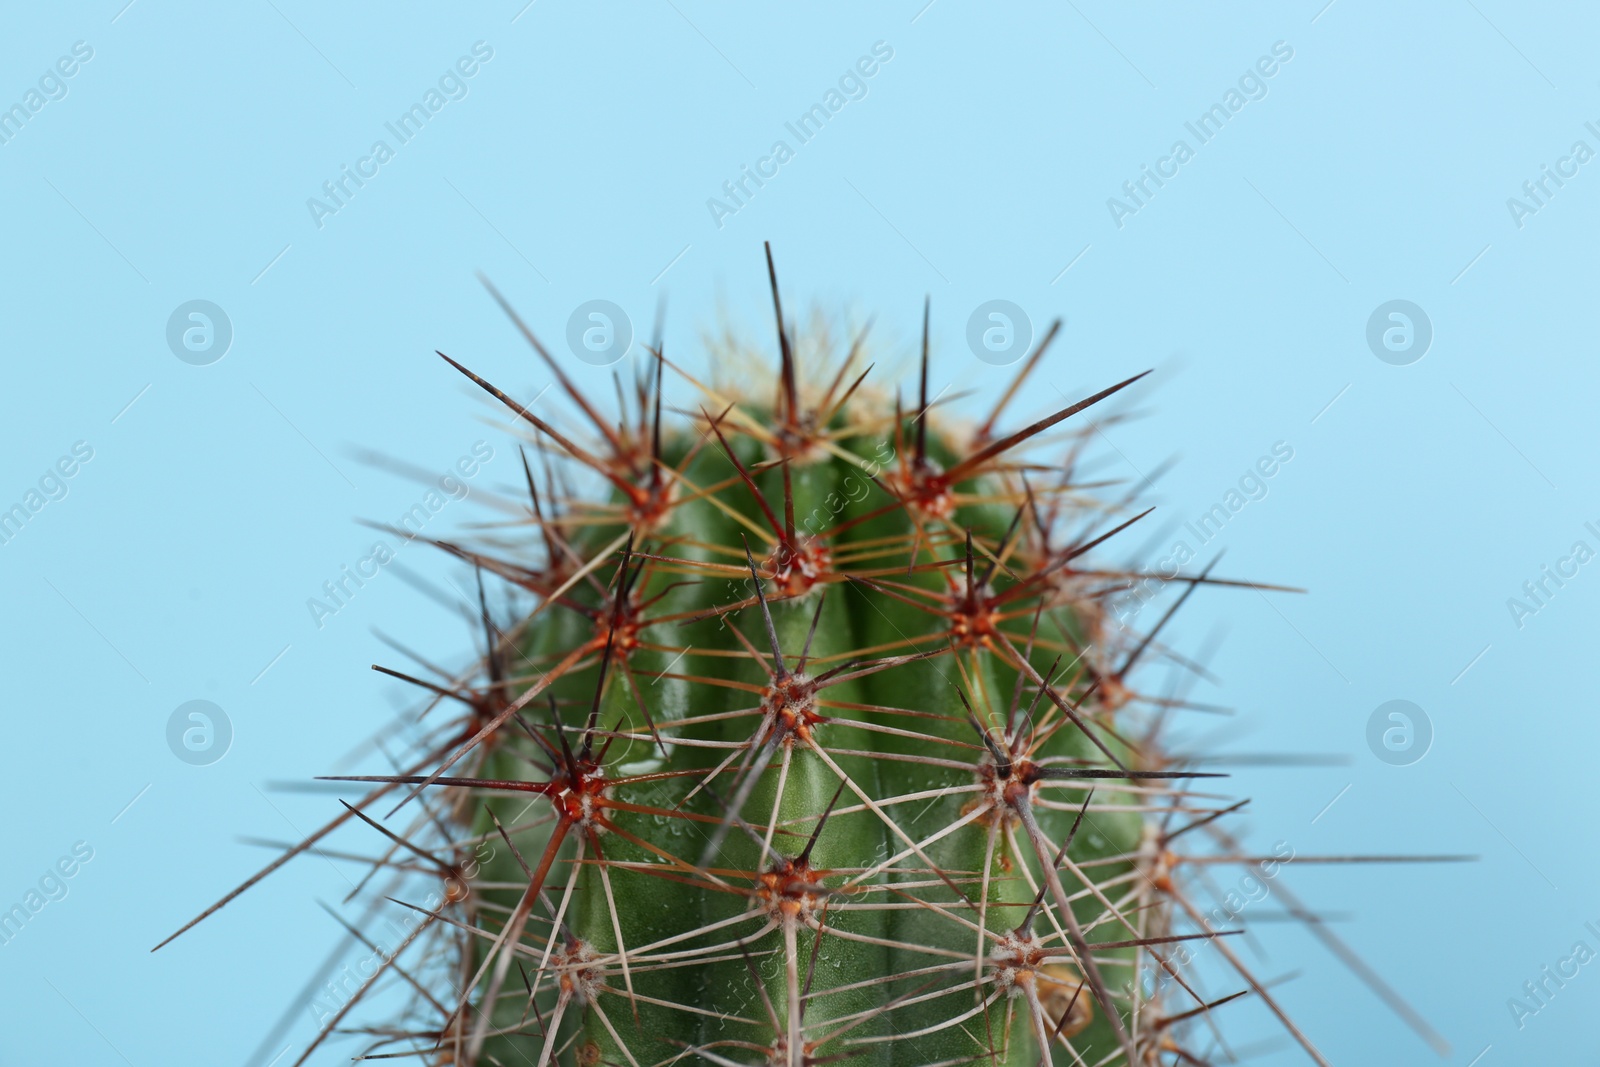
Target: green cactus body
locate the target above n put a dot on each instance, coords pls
(816, 748)
(822, 849)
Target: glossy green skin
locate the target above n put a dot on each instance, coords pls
(653, 908)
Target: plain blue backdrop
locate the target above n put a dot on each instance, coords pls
(576, 163)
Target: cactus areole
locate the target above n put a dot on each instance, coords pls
(816, 742)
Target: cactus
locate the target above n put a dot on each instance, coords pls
(818, 745)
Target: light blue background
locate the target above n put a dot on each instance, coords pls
(978, 166)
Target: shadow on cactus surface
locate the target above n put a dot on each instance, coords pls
(819, 742)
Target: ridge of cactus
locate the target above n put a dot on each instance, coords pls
(819, 742)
